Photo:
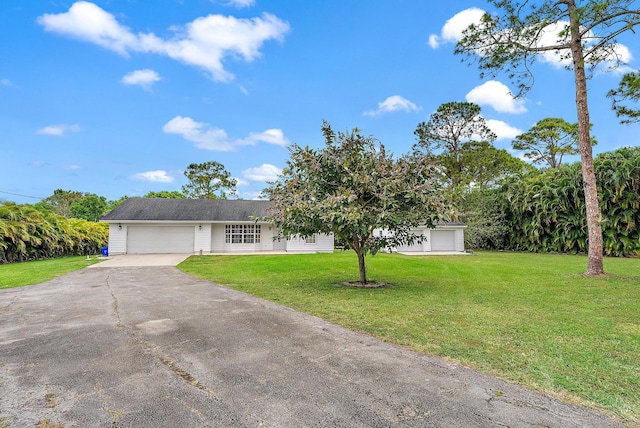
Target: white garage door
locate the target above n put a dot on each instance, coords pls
(443, 240)
(160, 239)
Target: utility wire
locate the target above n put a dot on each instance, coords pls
(18, 194)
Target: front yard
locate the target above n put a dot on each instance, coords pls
(533, 319)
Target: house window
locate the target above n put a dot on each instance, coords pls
(310, 239)
(242, 233)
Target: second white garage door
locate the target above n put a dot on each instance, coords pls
(160, 239)
(443, 240)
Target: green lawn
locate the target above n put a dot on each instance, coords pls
(28, 273)
(529, 318)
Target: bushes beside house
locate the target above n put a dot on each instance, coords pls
(28, 233)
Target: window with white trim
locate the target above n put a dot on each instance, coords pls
(242, 233)
(310, 239)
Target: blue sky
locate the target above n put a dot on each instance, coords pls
(118, 97)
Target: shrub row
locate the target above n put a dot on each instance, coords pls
(545, 212)
(27, 233)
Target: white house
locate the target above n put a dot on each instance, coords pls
(446, 237)
(194, 226)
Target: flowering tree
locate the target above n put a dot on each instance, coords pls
(350, 188)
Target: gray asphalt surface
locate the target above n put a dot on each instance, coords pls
(153, 347)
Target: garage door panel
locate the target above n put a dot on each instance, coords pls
(443, 240)
(160, 239)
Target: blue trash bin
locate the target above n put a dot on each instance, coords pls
(105, 251)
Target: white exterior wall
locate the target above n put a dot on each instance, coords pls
(426, 245)
(324, 244)
(217, 238)
(211, 239)
(117, 239)
(202, 239)
(460, 240)
(266, 238)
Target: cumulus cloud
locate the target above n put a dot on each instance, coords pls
(503, 130)
(553, 34)
(270, 136)
(264, 172)
(216, 139)
(204, 43)
(452, 30)
(58, 130)
(391, 104)
(157, 176)
(145, 78)
(496, 95)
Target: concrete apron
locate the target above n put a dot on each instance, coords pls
(141, 260)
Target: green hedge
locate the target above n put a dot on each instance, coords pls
(547, 211)
(27, 233)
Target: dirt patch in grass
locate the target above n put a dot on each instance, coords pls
(368, 284)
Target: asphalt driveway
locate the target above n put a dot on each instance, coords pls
(153, 347)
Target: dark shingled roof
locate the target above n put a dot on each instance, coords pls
(158, 209)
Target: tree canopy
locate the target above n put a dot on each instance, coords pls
(584, 37)
(61, 200)
(445, 133)
(165, 194)
(548, 141)
(91, 207)
(352, 187)
(628, 90)
(485, 166)
(208, 180)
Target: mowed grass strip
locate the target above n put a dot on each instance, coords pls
(29, 273)
(533, 319)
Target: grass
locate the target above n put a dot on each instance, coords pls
(29, 273)
(532, 319)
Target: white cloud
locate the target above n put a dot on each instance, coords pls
(6, 82)
(251, 195)
(264, 172)
(157, 176)
(434, 41)
(240, 182)
(145, 78)
(452, 30)
(216, 139)
(503, 130)
(200, 133)
(241, 3)
(71, 167)
(498, 96)
(203, 43)
(58, 130)
(88, 22)
(270, 136)
(391, 104)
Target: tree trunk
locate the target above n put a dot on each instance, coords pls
(361, 265)
(594, 228)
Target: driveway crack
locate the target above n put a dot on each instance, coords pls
(149, 347)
